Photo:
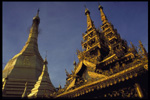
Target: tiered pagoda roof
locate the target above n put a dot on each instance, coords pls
(105, 62)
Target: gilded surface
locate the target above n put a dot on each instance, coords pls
(43, 84)
(106, 60)
(25, 67)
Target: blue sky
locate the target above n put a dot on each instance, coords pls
(61, 27)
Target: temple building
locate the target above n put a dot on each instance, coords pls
(107, 67)
(26, 74)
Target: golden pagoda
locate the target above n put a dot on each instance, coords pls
(107, 67)
(43, 87)
(23, 71)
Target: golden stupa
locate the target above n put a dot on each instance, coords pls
(23, 71)
(107, 67)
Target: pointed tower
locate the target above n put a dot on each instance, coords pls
(115, 43)
(89, 20)
(24, 67)
(142, 50)
(107, 67)
(43, 86)
(93, 42)
(103, 16)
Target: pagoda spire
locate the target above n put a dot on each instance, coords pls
(26, 65)
(67, 74)
(43, 84)
(38, 12)
(31, 45)
(89, 20)
(34, 29)
(142, 49)
(103, 16)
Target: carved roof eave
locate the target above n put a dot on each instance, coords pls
(94, 36)
(93, 47)
(89, 31)
(114, 57)
(108, 81)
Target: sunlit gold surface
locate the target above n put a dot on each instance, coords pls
(43, 86)
(139, 91)
(26, 66)
(105, 61)
(120, 62)
(25, 90)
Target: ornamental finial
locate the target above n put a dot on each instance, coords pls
(99, 6)
(46, 54)
(38, 12)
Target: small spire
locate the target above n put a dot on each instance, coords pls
(38, 12)
(133, 47)
(103, 16)
(45, 61)
(46, 54)
(89, 20)
(67, 74)
(36, 18)
(99, 6)
(98, 3)
(142, 49)
(72, 72)
(59, 86)
(74, 62)
(86, 10)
